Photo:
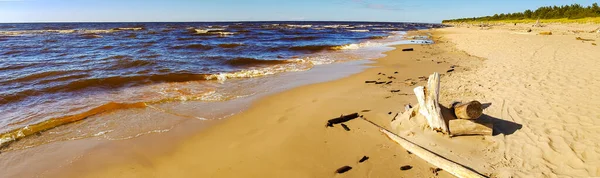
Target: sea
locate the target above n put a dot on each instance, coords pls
(56, 74)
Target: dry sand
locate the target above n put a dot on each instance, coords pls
(546, 83)
(541, 90)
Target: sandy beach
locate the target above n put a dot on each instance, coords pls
(540, 90)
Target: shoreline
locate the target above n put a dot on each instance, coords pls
(277, 128)
(106, 148)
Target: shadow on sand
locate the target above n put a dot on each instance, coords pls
(502, 126)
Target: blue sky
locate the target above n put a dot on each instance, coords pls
(260, 10)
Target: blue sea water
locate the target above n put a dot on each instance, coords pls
(55, 70)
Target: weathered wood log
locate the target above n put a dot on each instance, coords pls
(470, 110)
(470, 127)
(341, 119)
(407, 49)
(433, 158)
(428, 98)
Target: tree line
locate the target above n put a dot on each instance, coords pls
(573, 11)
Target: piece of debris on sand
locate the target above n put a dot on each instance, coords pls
(343, 169)
(435, 170)
(363, 159)
(584, 39)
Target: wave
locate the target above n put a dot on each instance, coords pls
(314, 48)
(11, 52)
(213, 31)
(298, 26)
(132, 35)
(113, 82)
(359, 45)
(378, 37)
(7, 26)
(33, 32)
(90, 36)
(184, 39)
(19, 133)
(252, 62)
(283, 66)
(193, 46)
(231, 45)
(107, 47)
(17, 66)
(363, 30)
(130, 63)
(300, 38)
(128, 29)
(36, 76)
(50, 41)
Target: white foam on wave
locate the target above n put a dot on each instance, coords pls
(33, 32)
(360, 45)
(291, 66)
(299, 26)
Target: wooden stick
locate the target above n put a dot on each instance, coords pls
(470, 110)
(341, 119)
(433, 158)
(452, 167)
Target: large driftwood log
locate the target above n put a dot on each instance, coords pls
(470, 110)
(433, 158)
(428, 98)
(470, 127)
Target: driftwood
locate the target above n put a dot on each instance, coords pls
(583, 39)
(470, 110)
(470, 127)
(343, 169)
(433, 158)
(363, 159)
(407, 49)
(345, 127)
(341, 119)
(545, 33)
(428, 98)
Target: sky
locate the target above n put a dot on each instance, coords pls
(433, 11)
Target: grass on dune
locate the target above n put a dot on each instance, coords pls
(595, 20)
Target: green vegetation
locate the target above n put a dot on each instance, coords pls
(569, 13)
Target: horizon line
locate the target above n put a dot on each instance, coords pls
(218, 21)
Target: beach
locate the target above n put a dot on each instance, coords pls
(541, 88)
